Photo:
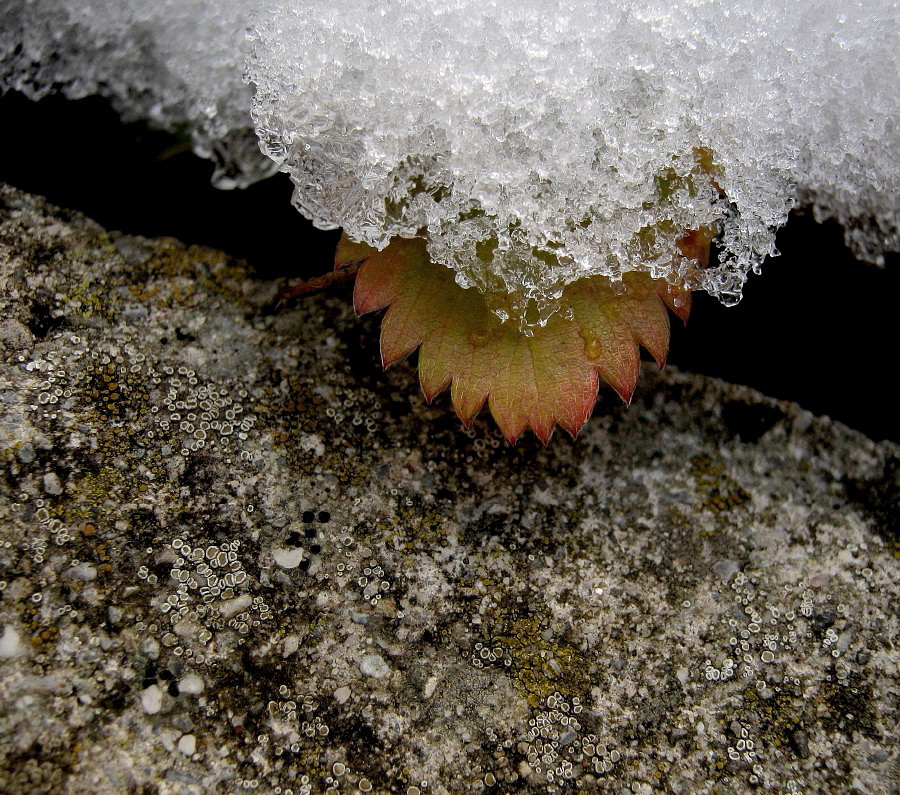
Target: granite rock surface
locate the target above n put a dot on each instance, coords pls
(236, 556)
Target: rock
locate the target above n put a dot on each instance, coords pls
(187, 744)
(287, 558)
(151, 699)
(11, 643)
(14, 335)
(374, 665)
(447, 599)
(52, 484)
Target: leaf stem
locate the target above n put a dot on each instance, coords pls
(319, 284)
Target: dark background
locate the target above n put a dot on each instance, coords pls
(817, 327)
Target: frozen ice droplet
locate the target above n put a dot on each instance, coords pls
(592, 346)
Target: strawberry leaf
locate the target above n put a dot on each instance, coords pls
(549, 378)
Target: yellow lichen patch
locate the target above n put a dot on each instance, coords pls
(421, 527)
(718, 491)
(537, 659)
(114, 391)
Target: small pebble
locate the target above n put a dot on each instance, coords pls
(26, 453)
(187, 744)
(52, 484)
(726, 569)
(11, 644)
(375, 666)
(287, 558)
(190, 684)
(151, 700)
(341, 695)
(231, 607)
(15, 335)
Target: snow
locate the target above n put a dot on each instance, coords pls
(176, 63)
(531, 141)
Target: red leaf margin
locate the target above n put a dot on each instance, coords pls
(466, 347)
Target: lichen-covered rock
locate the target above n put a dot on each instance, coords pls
(235, 555)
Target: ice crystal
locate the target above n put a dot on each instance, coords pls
(175, 63)
(533, 143)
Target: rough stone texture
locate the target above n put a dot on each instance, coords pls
(698, 595)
